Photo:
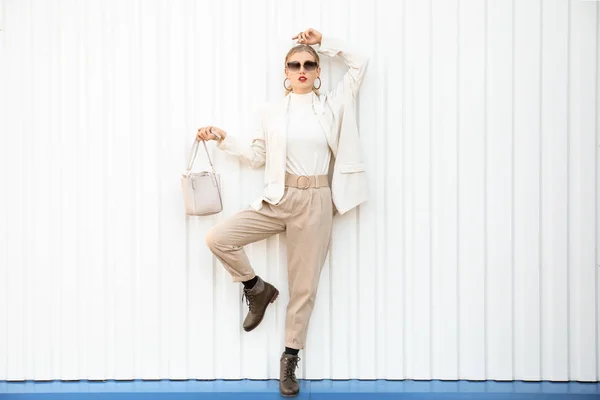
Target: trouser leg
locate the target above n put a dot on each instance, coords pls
(227, 238)
(308, 239)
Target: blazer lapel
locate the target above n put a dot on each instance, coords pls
(319, 107)
(278, 133)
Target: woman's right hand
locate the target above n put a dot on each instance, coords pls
(208, 133)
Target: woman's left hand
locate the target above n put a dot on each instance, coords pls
(309, 36)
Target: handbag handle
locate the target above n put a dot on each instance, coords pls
(193, 154)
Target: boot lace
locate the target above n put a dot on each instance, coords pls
(290, 368)
(250, 299)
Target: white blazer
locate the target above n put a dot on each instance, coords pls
(335, 111)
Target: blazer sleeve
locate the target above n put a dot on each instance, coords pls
(357, 65)
(253, 155)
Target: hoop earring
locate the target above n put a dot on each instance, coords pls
(286, 88)
(317, 88)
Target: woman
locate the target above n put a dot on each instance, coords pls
(296, 141)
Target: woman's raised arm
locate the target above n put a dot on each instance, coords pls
(357, 65)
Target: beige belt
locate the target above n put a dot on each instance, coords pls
(305, 182)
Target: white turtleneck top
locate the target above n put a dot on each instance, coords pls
(307, 150)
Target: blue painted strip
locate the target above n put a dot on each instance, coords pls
(324, 389)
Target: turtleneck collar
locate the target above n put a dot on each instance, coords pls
(306, 98)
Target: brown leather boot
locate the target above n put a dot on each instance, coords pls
(288, 384)
(258, 298)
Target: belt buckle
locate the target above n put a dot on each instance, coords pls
(307, 179)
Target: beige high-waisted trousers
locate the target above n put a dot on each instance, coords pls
(306, 216)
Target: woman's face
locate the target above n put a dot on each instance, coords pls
(302, 69)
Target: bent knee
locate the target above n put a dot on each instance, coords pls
(211, 238)
(217, 239)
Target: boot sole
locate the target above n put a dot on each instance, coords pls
(289, 395)
(275, 295)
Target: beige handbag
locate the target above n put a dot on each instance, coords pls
(201, 190)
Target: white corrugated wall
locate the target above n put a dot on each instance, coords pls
(475, 257)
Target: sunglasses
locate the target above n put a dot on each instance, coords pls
(309, 66)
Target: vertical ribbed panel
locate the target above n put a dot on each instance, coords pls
(475, 257)
(526, 231)
(3, 199)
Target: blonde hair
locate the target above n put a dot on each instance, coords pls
(299, 49)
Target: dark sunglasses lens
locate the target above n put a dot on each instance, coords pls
(310, 66)
(293, 66)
